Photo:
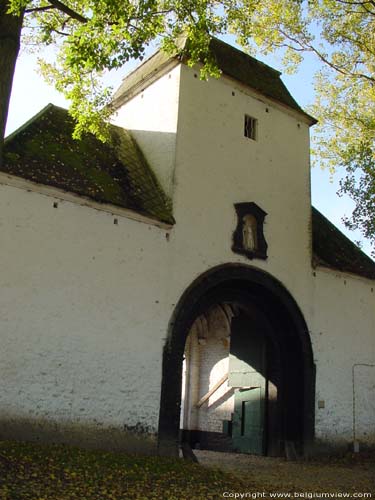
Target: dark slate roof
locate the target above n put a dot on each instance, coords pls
(231, 61)
(333, 249)
(251, 72)
(44, 151)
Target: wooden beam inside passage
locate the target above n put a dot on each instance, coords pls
(213, 389)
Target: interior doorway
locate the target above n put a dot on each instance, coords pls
(230, 381)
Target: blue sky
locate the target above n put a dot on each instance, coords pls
(30, 94)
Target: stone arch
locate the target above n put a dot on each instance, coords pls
(244, 285)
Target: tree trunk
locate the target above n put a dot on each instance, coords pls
(10, 35)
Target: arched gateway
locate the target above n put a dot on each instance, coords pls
(265, 319)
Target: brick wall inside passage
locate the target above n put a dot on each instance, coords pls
(206, 362)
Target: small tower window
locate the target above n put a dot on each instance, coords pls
(250, 127)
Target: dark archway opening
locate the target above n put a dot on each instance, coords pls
(260, 298)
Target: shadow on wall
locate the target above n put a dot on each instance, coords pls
(90, 434)
(159, 149)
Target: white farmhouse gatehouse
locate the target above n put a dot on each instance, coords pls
(175, 284)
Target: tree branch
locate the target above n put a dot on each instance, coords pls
(67, 10)
(40, 9)
(340, 69)
(361, 4)
(352, 2)
(62, 33)
(362, 46)
(310, 48)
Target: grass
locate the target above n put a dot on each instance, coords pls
(36, 472)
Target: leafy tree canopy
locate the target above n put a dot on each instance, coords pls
(94, 35)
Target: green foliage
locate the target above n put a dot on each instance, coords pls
(97, 35)
(93, 36)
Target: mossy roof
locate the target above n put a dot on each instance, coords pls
(331, 248)
(43, 151)
(231, 61)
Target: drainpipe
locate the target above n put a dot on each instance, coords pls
(355, 442)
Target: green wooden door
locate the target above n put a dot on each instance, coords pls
(247, 376)
(248, 418)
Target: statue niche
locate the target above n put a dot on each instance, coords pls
(248, 237)
(249, 233)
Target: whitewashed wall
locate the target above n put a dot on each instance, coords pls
(343, 332)
(82, 320)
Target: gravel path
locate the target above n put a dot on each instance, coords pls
(352, 474)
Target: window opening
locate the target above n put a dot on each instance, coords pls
(250, 127)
